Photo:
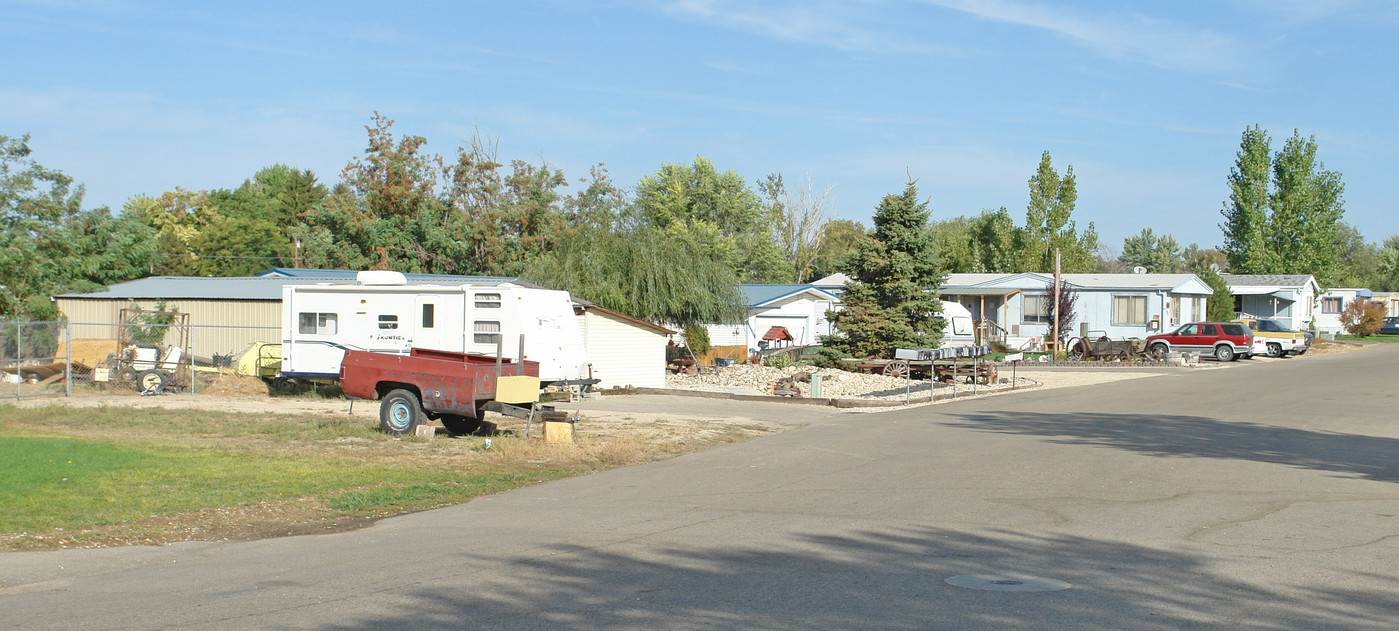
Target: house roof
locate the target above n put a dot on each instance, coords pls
(834, 281)
(248, 287)
(1001, 284)
(757, 295)
(1268, 280)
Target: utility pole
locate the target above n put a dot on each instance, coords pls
(1054, 309)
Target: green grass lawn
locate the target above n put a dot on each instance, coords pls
(98, 476)
(1368, 338)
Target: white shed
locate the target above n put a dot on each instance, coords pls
(622, 350)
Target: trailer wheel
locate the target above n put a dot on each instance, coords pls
(400, 413)
(459, 425)
(151, 381)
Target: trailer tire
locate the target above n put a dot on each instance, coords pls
(458, 425)
(400, 413)
(150, 381)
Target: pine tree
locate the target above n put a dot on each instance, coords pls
(891, 301)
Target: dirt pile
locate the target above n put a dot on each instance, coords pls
(231, 385)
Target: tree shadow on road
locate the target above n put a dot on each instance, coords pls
(1372, 457)
(878, 579)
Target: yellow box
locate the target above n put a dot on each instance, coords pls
(558, 432)
(520, 389)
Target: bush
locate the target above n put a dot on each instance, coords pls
(827, 357)
(1362, 318)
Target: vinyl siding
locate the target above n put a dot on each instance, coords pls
(623, 354)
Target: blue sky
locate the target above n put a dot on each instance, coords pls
(1145, 100)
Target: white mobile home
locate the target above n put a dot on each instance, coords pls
(1287, 298)
(381, 312)
(1015, 307)
(1328, 319)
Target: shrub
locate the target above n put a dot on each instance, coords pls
(1362, 317)
(827, 357)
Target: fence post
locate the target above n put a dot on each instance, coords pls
(68, 360)
(19, 352)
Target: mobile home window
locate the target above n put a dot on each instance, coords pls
(388, 321)
(487, 332)
(1199, 302)
(428, 315)
(487, 301)
(316, 323)
(1129, 310)
(1330, 305)
(1036, 308)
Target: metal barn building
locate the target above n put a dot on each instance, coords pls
(228, 314)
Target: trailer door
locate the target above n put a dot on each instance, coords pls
(428, 324)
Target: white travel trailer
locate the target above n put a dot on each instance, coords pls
(959, 329)
(381, 312)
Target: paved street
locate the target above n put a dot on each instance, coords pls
(1257, 496)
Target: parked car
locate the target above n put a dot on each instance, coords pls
(1390, 326)
(1225, 341)
(1277, 339)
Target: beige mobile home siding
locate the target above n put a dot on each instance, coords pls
(623, 354)
(216, 326)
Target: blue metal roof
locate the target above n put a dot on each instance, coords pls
(324, 275)
(263, 287)
(757, 295)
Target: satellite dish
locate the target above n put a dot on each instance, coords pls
(1214, 267)
(1139, 270)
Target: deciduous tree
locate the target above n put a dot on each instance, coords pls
(1049, 225)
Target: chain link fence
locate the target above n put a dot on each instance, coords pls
(146, 352)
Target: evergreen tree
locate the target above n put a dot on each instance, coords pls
(891, 301)
(1219, 307)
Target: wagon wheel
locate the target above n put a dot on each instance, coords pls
(896, 368)
(1081, 348)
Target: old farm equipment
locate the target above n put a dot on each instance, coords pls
(152, 351)
(1098, 346)
(959, 363)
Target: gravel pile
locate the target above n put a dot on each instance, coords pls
(835, 384)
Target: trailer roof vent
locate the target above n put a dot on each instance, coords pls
(381, 277)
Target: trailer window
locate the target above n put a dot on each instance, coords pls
(427, 315)
(487, 332)
(487, 301)
(388, 321)
(316, 323)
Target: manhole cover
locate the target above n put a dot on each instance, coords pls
(1008, 583)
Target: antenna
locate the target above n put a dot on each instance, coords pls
(1139, 270)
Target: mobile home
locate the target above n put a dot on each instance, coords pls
(380, 312)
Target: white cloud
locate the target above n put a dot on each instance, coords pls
(823, 23)
(1116, 35)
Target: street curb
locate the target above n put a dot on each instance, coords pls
(836, 403)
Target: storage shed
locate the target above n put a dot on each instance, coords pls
(622, 350)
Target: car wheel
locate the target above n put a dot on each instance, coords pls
(400, 413)
(1225, 353)
(1275, 349)
(1159, 350)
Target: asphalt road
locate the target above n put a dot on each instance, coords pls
(1262, 496)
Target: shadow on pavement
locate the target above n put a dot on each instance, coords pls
(1369, 457)
(881, 580)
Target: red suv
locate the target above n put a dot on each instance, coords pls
(1226, 341)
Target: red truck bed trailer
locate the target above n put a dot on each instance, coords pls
(428, 384)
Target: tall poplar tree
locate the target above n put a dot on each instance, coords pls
(1048, 224)
(1288, 223)
(1246, 213)
(892, 300)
